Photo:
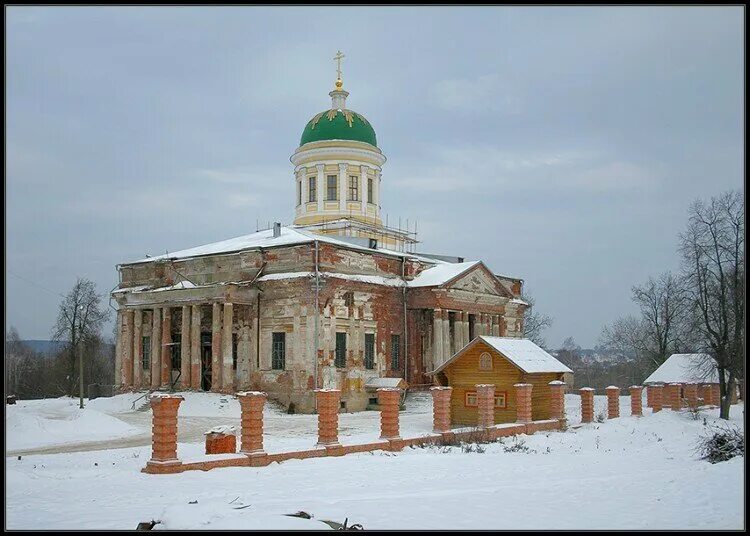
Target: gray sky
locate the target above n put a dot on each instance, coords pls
(559, 145)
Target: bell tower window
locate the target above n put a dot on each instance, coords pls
(353, 188)
(312, 189)
(332, 184)
(370, 198)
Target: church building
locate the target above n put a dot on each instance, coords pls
(335, 300)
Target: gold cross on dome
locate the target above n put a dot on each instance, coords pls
(337, 58)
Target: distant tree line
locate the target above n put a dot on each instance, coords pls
(32, 374)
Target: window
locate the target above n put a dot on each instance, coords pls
(278, 351)
(370, 198)
(340, 360)
(299, 193)
(472, 324)
(353, 188)
(485, 361)
(312, 190)
(146, 351)
(175, 351)
(369, 351)
(470, 399)
(332, 186)
(234, 351)
(395, 352)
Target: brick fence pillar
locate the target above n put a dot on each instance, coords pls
(441, 408)
(164, 429)
(636, 400)
(587, 404)
(557, 400)
(251, 407)
(715, 394)
(328, 401)
(523, 402)
(613, 402)
(673, 396)
(657, 397)
(649, 401)
(485, 405)
(389, 400)
(691, 394)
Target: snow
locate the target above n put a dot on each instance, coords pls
(521, 352)
(441, 273)
(225, 430)
(684, 368)
(42, 423)
(578, 476)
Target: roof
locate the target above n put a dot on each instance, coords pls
(685, 368)
(338, 125)
(523, 353)
(441, 273)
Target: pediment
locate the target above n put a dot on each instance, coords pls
(478, 280)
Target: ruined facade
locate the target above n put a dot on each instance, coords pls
(331, 302)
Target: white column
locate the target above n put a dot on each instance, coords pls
(321, 186)
(227, 381)
(343, 190)
(118, 350)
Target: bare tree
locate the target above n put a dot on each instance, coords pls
(79, 321)
(534, 323)
(712, 249)
(663, 327)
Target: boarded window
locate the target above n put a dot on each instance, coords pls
(278, 350)
(369, 351)
(332, 187)
(395, 352)
(146, 351)
(312, 189)
(349, 299)
(340, 360)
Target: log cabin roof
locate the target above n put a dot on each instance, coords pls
(523, 353)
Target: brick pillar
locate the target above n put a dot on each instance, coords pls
(691, 394)
(216, 347)
(185, 348)
(485, 405)
(441, 408)
(164, 430)
(557, 400)
(328, 401)
(715, 394)
(137, 348)
(227, 381)
(156, 348)
(649, 402)
(166, 347)
(523, 402)
(636, 400)
(251, 405)
(673, 396)
(657, 397)
(388, 400)
(195, 347)
(613, 402)
(127, 349)
(587, 404)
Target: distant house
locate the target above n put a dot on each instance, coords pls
(503, 362)
(684, 368)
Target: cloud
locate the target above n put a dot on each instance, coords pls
(476, 95)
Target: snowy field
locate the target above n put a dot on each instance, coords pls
(81, 470)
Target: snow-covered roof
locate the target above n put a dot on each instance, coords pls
(685, 368)
(441, 273)
(523, 353)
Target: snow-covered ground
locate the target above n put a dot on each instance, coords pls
(627, 473)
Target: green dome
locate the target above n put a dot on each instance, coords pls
(344, 125)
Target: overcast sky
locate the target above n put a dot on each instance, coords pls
(559, 145)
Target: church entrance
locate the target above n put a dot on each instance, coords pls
(206, 361)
